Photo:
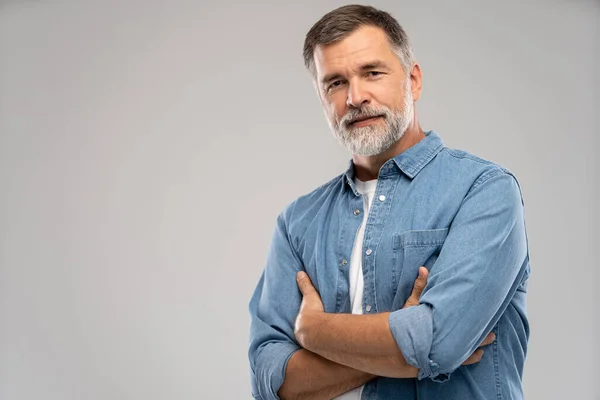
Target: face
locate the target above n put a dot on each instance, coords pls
(367, 97)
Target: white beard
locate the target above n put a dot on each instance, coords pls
(374, 139)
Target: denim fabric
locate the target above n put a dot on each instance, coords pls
(456, 214)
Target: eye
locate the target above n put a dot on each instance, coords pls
(333, 85)
(374, 73)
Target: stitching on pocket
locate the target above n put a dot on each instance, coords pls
(419, 238)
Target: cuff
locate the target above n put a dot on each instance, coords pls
(270, 364)
(412, 329)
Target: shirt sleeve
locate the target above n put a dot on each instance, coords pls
(480, 266)
(273, 310)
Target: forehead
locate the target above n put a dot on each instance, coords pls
(366, 44)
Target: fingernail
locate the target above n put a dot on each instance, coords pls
(300, 275)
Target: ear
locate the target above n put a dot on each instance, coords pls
(416, 81)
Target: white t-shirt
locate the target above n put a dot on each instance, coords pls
(367, 189)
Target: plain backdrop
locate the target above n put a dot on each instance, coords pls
(146, 148)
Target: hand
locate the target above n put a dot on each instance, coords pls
(413, 300)
(311, 305)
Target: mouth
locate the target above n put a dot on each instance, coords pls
(361, 121)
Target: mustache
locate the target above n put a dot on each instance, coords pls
(361, 114)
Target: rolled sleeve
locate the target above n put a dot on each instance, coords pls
(412, 329)
(271, 362)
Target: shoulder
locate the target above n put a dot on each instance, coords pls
(481, 169)
(484, 175)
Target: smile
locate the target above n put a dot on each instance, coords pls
(366, 121)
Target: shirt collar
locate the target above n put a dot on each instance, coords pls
(411, 161)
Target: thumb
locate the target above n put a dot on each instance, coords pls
(304, 283)
(420, 283)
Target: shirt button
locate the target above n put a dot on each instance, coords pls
(356, 212)
(382, 198)
(368, 308)
(344, 262)
(368, 252)
(391, 165)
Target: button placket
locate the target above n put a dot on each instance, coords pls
(347, 235)
(373, 231)
(368, 261)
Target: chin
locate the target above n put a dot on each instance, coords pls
(367, 152)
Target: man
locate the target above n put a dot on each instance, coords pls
(330, 315)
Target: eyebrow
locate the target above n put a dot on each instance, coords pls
(363, 68)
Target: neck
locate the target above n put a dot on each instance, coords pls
(367, 168)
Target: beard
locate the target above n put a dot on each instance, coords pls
(374, 139)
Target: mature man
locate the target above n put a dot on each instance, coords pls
(405, 201)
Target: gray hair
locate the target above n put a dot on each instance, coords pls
(341, 22)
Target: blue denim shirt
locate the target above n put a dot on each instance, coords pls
(456, 214)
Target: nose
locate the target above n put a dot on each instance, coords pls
(357, 96)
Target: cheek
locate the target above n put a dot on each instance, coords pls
(339, 108)
(384, 96)
(335, 110)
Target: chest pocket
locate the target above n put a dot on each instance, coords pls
(413, 249)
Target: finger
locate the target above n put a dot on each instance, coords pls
(304, 283)
(421, 281)
(474, 358)
(419, 285)
(488, 340)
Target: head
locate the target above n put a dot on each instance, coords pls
(364, 71)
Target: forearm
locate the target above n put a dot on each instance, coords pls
(362, 342)
(310, 376)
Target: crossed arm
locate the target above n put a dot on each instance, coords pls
(318, 372)
(336, 358)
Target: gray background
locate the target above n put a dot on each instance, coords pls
(146, 148)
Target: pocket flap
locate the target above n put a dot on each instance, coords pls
(427, 237)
